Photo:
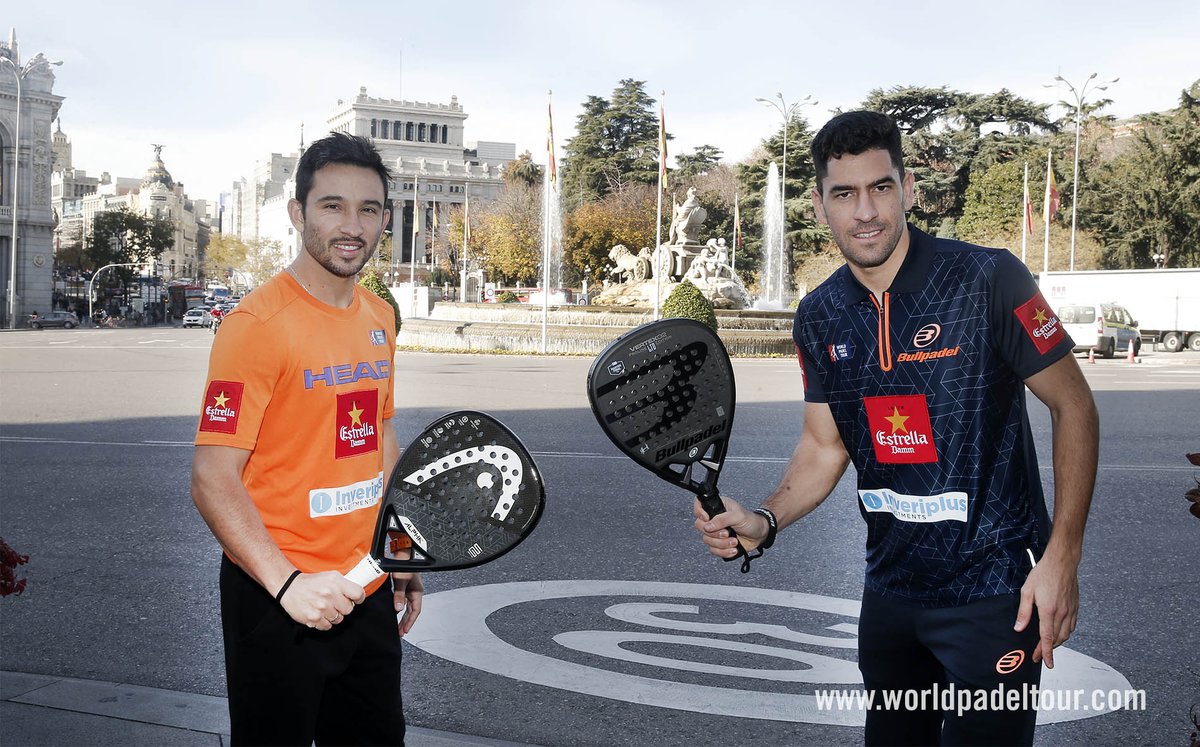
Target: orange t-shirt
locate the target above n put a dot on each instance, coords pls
(306, 388)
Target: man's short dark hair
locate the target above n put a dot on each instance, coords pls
(338, 147)
(856, 133)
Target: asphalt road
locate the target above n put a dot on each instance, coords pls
(610, 625)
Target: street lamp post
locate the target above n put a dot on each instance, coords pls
(1080, 95)
(19, 74)
(788, 112)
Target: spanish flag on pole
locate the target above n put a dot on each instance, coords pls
(1050, 207)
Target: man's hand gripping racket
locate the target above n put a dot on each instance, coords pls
(664, 394)
(463, 493)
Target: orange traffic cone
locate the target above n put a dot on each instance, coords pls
(1092, 356)
(1132, 358)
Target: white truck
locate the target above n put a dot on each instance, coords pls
(1165, 304)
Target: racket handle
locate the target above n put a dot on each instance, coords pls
(365, 572)
(713, 505)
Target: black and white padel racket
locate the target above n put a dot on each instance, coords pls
(464, 492)
(664, 394)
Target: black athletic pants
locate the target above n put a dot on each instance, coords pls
(951, 654)
(292, 685)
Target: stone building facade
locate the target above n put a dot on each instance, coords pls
(33, 260)
(421, 143)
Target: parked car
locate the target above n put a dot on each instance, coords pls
(1103, 327)
(54, 319)
(197, 317)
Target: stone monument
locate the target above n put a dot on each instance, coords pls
(706, 265)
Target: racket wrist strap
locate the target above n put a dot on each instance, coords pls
(283, 589)
(772, 527)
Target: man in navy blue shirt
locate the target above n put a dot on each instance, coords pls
(915, 356)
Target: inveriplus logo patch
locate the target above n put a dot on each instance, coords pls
(918, 509)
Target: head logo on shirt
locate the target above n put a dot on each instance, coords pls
(222, 403)
(900, 429)
(356, 423)
(1040, 323)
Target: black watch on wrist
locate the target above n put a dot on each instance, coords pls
(772, 527)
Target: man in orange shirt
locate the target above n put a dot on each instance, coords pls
(294, 445)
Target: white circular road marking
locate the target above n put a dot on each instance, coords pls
(453, 626)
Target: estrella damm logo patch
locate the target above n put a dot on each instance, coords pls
(357, 423)
(1010, 662)
(1040, 323)
(222, 404)
(900, 429)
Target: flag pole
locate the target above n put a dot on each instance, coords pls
(1024, 215)
(551, 169)
(662, 178)
(1046, 217)
(412, 257)
(462, 295)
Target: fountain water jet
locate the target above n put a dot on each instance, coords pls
(773, 267)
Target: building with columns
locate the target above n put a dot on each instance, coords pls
(26, 248)
(421, 143)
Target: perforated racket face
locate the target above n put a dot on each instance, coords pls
(664, 394)
(464, 492)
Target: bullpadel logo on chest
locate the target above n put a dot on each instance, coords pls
(900, 429)
(357, 429)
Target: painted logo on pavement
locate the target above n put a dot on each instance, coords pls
(721, 650)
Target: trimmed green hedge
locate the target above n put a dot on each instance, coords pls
(371, 282)
(687, 302)
(507, 297)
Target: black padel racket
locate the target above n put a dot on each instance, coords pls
(464, 492)
(664, 394)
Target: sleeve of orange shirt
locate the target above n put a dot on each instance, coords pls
(244, 368)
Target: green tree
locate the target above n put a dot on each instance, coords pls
(805, 235)
(1148, 197)
(524, 171)
(625, 216)
(224, 255)
(125, 237)
(506, 235)
(687, 302)
(615, 143)
(950, 134)
(373, 283)
(699, 162)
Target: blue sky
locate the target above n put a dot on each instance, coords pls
(226, 83)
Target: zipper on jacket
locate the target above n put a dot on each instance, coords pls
(885, 330)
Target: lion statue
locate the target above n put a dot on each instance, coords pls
(627, 266)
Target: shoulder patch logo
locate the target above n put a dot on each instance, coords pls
(222, 404)
(900, 429)
(1040, 323)
(840, 351)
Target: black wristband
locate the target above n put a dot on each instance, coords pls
(772, 527)
(286, 584)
